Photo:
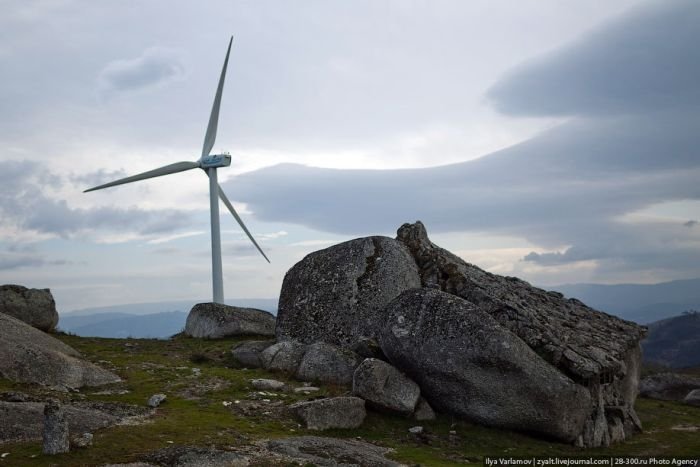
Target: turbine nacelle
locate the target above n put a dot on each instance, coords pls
(215, 160)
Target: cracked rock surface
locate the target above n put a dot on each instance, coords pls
(337, 295)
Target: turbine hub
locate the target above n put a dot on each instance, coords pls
(215, 160)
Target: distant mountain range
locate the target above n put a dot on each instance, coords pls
(674, 342)
(635, 302)
(641, 303)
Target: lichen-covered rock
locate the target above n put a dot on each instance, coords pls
(156, 399)
(55, 435)
(384, 387)
(283, 356)
(215, 321)
(28, 355)
(35, 307)
(328, 363)
(331, 412)
(263, 384)
(337, 295)
(469, 365)
(596, 350)
(247, 353)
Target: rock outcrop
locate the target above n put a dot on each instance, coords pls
(55, 434)
(337, 295)
(215, 321)
(35, 307)
(595, 350)
(28, 355)
(247, 353)
(469, 365)
(331, 452)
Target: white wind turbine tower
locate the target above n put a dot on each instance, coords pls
(209, 163)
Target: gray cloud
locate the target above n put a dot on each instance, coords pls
(24, 204)
(97, 177)
(644, 61)
(154, 66)
(691, 223)
(636, 143)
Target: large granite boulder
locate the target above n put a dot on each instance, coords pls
(35, 307)
(283, 356)
(214, 321)
(28, 355)
(328, 363)
(337, 294)
(597, 351)
(469, 365)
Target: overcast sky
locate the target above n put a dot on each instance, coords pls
(555, 141)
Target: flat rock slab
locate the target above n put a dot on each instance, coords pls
(384, 387)
(337, 295)
(668, 386)
(332, 452)
(24, 421)
(191, 456)
(263, 384)
(35, 307)
(332, 412)
(215, 321)
(28, 355)
(469, 365)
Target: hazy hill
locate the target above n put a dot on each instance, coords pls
(641, 303)
(121, 325)
(674, 342)
(267, 304)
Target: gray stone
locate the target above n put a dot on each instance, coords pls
(423, 411)
(693, 398)
(28, 355)
(191, 456)
(35, 307)
(384, 387)
(416, 430)
(24, 421)
(268, 385)
(332, 412)
(306, 389)
(283, 356)
(668, 386)
(337, 294)
(247, 353)
(328, 363)
(214, 321)
(55, 433)
(81, 441)
(156, 399)
(469, 365)
(331, 452)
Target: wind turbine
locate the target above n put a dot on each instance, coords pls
(209, 163)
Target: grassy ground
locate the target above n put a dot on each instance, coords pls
(195, 414)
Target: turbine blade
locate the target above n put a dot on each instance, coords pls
(228, 204)
(214, 117)
(166, 170)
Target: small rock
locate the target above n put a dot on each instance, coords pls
(55, 434)
(247, 353)
(453, 432)
(384, 387)
(306, 389)
(268, 384)
(82, 441)
(423, 411)
(328, 363)
(332, 412)
(283, 356)
(416, 430)
(4, 455)
(693, 398)
(156, 399)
